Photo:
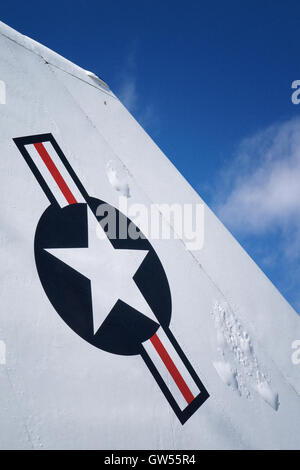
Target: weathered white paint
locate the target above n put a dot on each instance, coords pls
(61, 392)
(2, 92)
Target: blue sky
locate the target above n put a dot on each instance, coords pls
(211, 83)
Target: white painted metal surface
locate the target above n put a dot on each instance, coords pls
(56, 390)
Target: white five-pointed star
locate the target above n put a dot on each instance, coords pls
(110, 271)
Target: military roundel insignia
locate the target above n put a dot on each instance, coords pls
(111, 290)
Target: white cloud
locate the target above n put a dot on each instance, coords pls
(128, 93)
(258, 199)
(127, 90)
(262, 186)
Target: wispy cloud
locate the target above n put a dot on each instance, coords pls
(128, 92)
(264, 181)
(260, 196)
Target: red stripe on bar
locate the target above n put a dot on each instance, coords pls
(177, 377)
(55, 173)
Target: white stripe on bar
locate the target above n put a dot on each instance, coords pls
(164, 373)
(51, 183)
(56, 192)
(63, 171)
(178, 362)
